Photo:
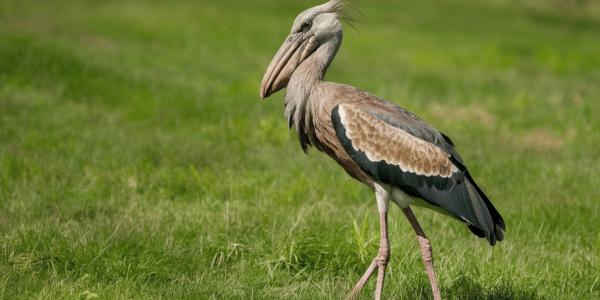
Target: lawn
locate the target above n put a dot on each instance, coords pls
(137, 161)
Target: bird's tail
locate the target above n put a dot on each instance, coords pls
(490, 223)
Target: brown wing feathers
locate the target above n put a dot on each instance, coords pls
(424, 166)
(383, 142)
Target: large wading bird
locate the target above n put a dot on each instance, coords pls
(392, 151)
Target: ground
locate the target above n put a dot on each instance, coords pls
(137, 161)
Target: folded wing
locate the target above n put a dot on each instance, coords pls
(397, 148)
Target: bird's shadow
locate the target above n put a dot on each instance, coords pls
(466, 288)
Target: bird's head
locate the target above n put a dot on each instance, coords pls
(312, 28)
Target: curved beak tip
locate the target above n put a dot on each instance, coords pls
(263, 94)
(285, 61)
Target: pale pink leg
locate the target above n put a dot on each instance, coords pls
(426, 252)
(380, 262)
(383, 257)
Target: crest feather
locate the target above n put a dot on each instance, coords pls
(345, 11)
(336, 5)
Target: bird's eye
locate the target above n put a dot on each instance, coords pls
(306, 25)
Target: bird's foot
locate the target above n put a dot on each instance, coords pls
(380, 263)
(363, 280)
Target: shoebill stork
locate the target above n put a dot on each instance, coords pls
(392, 151)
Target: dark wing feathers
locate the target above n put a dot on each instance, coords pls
(500, 226)
(425, 165)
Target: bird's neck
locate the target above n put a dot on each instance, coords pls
(306, 79)
(312, 71)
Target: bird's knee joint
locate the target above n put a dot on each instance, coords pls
(426, 250)
(425, 244)
(384, 256)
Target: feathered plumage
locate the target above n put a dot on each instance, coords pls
(396, 148)
(389, 149)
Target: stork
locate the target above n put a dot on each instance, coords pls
(392, 151)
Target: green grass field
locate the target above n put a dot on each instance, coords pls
(137, 161)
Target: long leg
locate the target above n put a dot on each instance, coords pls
(383, 256)
(426, 252)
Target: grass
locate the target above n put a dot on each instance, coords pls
(136, 161)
